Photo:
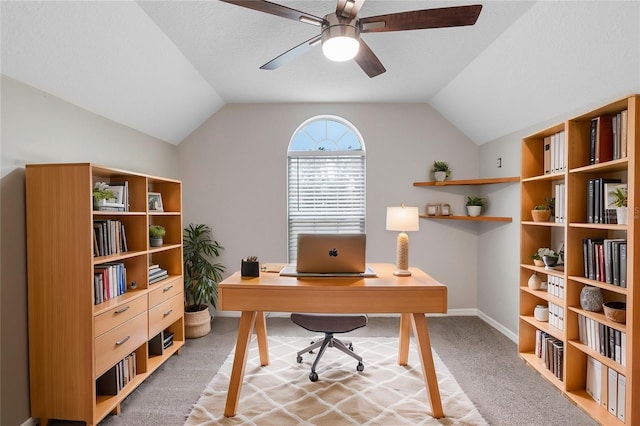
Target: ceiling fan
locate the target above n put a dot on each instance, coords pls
(340, 31)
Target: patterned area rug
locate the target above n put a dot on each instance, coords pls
(383, 394)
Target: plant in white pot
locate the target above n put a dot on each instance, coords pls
(620, 201)
(440, 171)
(201, 278)
(474, 205)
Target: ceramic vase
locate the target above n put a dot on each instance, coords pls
(550, 261)
(440, 176)
(534, 282)
(591, 298)
(541, 313)
(474, 210)
(622, 215)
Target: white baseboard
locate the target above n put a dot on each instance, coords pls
(450, 313)
(30, 422)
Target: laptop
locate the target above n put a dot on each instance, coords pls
(330, 255)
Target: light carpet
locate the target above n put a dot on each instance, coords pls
(385, 393)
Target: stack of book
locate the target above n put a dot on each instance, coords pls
(117, 377)
(607, 387)
(156, 273)
(109, 281)
(605, 340)
(600, 200)
(551, 351)
(109, 237)
(554, 159)
(608, 138)
(605, 259)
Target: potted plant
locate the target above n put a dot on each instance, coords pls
(541, 213)
(201, 277)
(549, 256)
(474, 205)
(537, 259)
(101, 193)
(156, 234)
(440, 171)
(619, 195)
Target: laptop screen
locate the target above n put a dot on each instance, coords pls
(331, 253)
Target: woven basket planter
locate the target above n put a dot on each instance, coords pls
(540, 215)
(197, 324)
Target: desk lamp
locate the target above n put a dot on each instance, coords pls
(403, 219)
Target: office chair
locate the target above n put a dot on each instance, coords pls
(329, 325)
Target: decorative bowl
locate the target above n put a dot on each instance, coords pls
(615, 311)
(550, 261)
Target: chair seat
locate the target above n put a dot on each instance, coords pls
(323, 323)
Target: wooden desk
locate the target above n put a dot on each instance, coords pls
(412, 297)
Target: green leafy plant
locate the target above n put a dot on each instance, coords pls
(201, 275)
(157, 231)
(536, 256)
(101, 191)
(620, 197)
(546, 251)
(476, 201)
(441, 166)
(541, 207)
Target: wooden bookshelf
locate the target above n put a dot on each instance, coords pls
(474, 182)
(535, 186)
(73, 340)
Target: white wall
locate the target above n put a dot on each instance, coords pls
(40, 128)
(234, 173)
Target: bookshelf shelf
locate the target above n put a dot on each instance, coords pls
(581, 140)
(470, 218)
(96, 330)
(465, 182)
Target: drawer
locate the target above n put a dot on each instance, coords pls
(114, 345)
(165, 292)
(165, 314)
(118, 315)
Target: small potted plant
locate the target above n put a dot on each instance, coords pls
(537, 259)
(156, 234)
(541, 213)
(101, 193)
(619, 195)
(474, 205)
(440, 171)
(549, 256)
(250, 267)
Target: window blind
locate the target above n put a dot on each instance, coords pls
(326, 194)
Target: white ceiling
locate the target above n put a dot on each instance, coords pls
(164, 67)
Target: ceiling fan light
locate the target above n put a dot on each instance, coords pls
(341, 48)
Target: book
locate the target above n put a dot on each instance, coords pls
(590, 200)
(603, 150)
(621, 397)
(623, 264)
(594, 379)
(547, 155)
(612, 392)
(600, 196)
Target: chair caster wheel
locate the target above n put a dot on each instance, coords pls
(360, 367)
(299, 359)
(350, 347)
(313, 376)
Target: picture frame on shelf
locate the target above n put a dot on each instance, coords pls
(432, 209)
(155, 202)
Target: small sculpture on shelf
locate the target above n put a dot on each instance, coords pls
(440, 171)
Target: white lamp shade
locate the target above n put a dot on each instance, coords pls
(403, 219)
(340, 48)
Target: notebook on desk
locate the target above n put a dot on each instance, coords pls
(330, 255)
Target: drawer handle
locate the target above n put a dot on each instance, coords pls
(168, 312)
(122, 341)
(167, 288)
(119, 311)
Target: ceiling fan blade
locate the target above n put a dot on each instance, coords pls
(422, 19)
(278, 10)
(348, 8)
(368, 61)
(292, 53)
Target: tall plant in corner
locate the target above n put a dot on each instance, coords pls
(201, 275)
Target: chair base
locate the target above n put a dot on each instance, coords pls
(328, 341)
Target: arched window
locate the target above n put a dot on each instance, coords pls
(326, 179)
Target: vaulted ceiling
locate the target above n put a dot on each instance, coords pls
(164, 67)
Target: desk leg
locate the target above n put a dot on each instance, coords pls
(405, 336)
(261, 332)
(421, 333)
(247, 322)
